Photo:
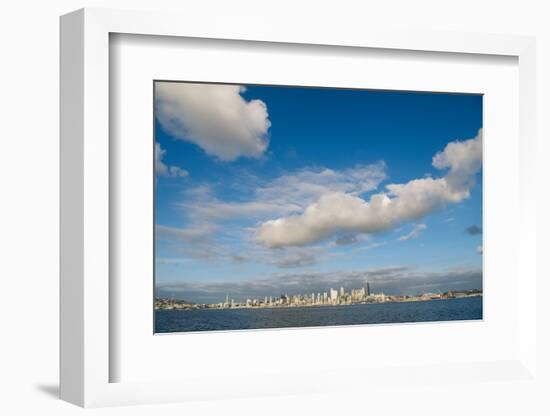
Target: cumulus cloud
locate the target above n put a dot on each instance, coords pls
(463, 159)
(473, 230)
(341, 212)
(214, 117)
(414, 233)
(286, 194)
(221, 229)
(162, 169)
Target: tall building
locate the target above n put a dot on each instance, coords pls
(333, 295)
(367, 289)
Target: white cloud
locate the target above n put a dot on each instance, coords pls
(162, 169)
(307, 185)
(338, 212)
(463, 160)
(219, 210)
(214, 117)
(414, 233)
(225, 229)
(479, 249)
(370, 246)
(286, 194)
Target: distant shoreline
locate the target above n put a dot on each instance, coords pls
(185, 306)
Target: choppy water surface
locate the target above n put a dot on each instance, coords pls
(228, 319)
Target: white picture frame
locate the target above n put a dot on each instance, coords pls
(86, 355)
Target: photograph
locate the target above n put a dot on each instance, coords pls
(281, 206)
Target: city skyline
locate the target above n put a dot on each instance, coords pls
(332, 297)
(271, 190)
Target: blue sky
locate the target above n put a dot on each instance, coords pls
(263, 190)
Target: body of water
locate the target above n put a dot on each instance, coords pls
(373, 313)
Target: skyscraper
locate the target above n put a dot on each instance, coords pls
(367, 289)
(333, 295)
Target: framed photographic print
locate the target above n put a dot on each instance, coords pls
(275, 206)
(255, 214)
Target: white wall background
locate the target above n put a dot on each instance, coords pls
(29, 189)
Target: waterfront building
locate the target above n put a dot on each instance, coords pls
(333, 295)
(380, 297)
